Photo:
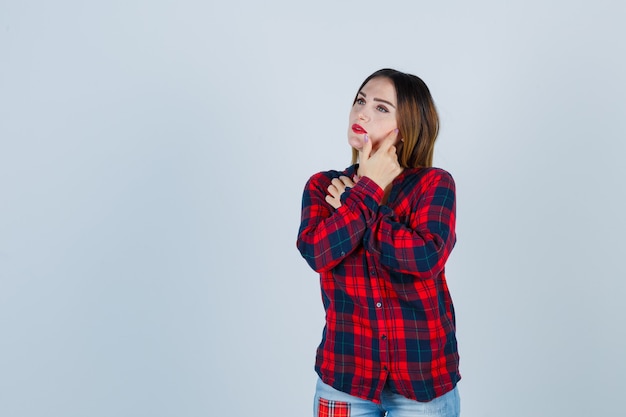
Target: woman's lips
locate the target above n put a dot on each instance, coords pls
(358, 129)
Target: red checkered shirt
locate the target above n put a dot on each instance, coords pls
(389, 314)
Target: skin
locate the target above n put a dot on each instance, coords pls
(375, 111)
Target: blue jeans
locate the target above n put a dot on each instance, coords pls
(332, 403)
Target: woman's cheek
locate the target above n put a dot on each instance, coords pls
(376, 140)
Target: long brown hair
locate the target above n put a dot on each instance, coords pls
(417, 118)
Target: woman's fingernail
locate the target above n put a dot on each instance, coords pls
(366, 138)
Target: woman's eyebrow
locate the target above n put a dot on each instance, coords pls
(384, 101)
(377, 99)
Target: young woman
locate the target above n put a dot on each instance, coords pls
(379, 234)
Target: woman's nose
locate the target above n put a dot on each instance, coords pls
(363, 116)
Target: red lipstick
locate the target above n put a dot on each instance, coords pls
(358, 129)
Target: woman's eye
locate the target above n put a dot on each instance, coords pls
(382, 109)
(360, 101)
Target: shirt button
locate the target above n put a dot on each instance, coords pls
(384, 337)
(379, 305)
(373, 271)
(343, 253)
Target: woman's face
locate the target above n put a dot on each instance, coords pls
(373, 112)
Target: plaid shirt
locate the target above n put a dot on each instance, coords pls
(389, 314)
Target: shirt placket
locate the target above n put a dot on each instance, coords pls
(381, 325)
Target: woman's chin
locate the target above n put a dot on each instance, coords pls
(356, 142)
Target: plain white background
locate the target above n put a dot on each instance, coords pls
(152, 159)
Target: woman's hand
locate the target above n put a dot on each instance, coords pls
(382, 167)
(336, 188)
